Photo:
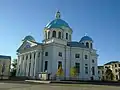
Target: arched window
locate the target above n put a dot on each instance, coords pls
(91, 45)
(66, 35)
(87, 44)
(48, 34)
(54, 34)
(59, 34)
(45, 35)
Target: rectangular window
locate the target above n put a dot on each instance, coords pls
(115, 65)
(86, 70)
(116, 70)
(119, 65)
(46, 53)
(59, 64)
(60, 54)
(93, 70)
(92, 61)
(77, 55)
(77, 65)
(86, 57)
(86, 64)
(46, 66)
(66, 35)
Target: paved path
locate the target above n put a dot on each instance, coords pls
(30, 86)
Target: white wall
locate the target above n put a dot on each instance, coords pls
(53, 49)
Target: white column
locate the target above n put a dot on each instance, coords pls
(40, 61)
(32, 62)
(20, 64)
(22, 69)
(27, 68)
(50, 33)
(25, 65)
(35, 63)
(28, 63)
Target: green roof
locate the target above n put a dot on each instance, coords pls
(111, 62)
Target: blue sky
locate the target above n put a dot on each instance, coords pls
(100, 19)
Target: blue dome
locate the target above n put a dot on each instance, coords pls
(57, 23)
(29, 38)
(86, 38)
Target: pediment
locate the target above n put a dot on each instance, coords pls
(26, 44)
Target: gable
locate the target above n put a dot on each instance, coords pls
(26, 44)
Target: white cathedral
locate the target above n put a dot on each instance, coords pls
(57, 49)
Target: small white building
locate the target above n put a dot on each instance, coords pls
(57, 49)
(5, 62)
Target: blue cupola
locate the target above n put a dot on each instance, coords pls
(87, 41)
(57, 22)
(86, 38)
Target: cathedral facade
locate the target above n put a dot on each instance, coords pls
(57, 49)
